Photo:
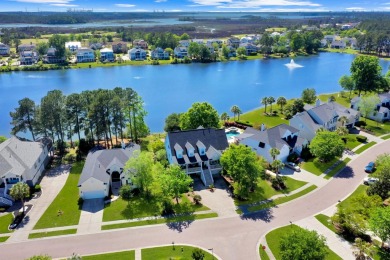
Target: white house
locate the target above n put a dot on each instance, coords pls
(185, 43)
(103, 170)
(22, 161)
(73, 46)
(325, 116)
(85, 55)
(233, 41)
(338, 44)
(180, 52)
(4, 49)
(159, 54)
(198, 41)
(249, 47)
(197, 151)
(382, 110)
(283, 137)
(28, 57)
(137, 54)
(107, 54)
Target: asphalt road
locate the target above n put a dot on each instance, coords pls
(231, 238)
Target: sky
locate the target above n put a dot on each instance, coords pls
(196, 5)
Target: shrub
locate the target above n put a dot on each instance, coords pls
(197, 254)
(167, 208)
(360, 123)
(197, 199)
(37, 188)
(306, 154)
(275, 184)
(361, 138)
(292, 157)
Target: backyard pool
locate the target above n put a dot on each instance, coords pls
(231, 132)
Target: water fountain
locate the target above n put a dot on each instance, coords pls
(292, 65)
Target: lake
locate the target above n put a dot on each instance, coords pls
(173, 88)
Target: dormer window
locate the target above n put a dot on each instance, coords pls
(261, 145)
(190, 149)
(201, 148)
(179, 151)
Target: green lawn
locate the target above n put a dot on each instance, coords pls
(360, 190)
(5, 221)
(256, 117)
(338, 168)
(176, 252)
(64, 210)
(139, 207)
(377, 128)
(316, 167)
(352, 142)
(265, 191)
(3, 239)
(346, 50)
(160, 221)
(386, 137)
(273, 241)
(325, 220)
(124, 255)
(53, 233)
(365, 147)
(282, 200)
(262, 253)
(339, 99)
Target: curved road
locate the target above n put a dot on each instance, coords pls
(231, 237)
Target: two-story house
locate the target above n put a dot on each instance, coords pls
(26, 47)
(119, 47)
(185, 43)
(283, 137)
(381, 112)
(249, 47)
(180, 52)
(325, 116)
(28, 57)
(197, 151)
(107, 54)
(85, 55)
(137, 54)
(51, 57)
(73, 46)
(233, 41)
(22, 161)
(4, 49)
(159, 54)
(140, 44)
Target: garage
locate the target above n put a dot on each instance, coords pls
(95, 194)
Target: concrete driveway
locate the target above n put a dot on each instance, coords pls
(91, 216)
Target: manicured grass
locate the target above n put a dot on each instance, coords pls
(352, 142)
(365, 147)
(177, 252)
(160, 221)
(337, 169)
(339, 99)
(53, 233)
(264, 191)
(273, 240)
(346, 203)
(257, 117)
(325, 220)
(282, 200)
(3, 239)
(5, 221)
(377, 128)
(346, 50)
(262, 253)
(64, 210)
(386, 137)
(316, 167)
(125, 255)
(140, 207)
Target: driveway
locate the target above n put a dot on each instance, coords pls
(51, 184)
(91, 216)
(234, 237)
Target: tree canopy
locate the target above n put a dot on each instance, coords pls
(309, 95)
(379, 223)
(326, 145)
(199, 114)
(366, 73)
(367, 105)
(172, 122)
(174, 181)
(20, 191)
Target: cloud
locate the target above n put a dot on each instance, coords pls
(160, 1)
(64, 5)
(243, 4)
(44, 1)
(355, 8)
(125, 5)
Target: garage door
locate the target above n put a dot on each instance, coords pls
(96, 194)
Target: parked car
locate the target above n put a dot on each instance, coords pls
(370, 180)
(293, 166)
(370, 167)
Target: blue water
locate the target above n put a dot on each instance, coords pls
(230, 135)
(173, 88)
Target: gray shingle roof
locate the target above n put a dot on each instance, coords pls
(97, 163)
(210, 137)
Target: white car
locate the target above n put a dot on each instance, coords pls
(370, 180)
(293, 166)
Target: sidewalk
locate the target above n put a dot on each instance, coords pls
(337, 244)
(51, 185)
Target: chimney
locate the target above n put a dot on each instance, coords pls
(318, 102)
(262, 128)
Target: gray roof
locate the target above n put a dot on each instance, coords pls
(98, 162)
(20, 156)
(310, 122)
(383, 110)
(273, 136)
(214, 140)
(384, 96)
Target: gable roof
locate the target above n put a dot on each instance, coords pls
(212, 139)
(98, 162)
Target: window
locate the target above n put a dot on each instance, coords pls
(385, 115)
(261, 145)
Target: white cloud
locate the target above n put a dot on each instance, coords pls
(125, 5)
(242, 4)
(357, 8)
(174, 10)
(64, 5)
(160, 1)
(44, 1)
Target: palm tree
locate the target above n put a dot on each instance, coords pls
(274, 152)
(224, 116)
(343, 120)
(271, 100)
(20, 191)
(235, 110)
(238, 113)
(342, 131)
(277, 165)
(364, 250)
(281, 101)
(264, 101)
